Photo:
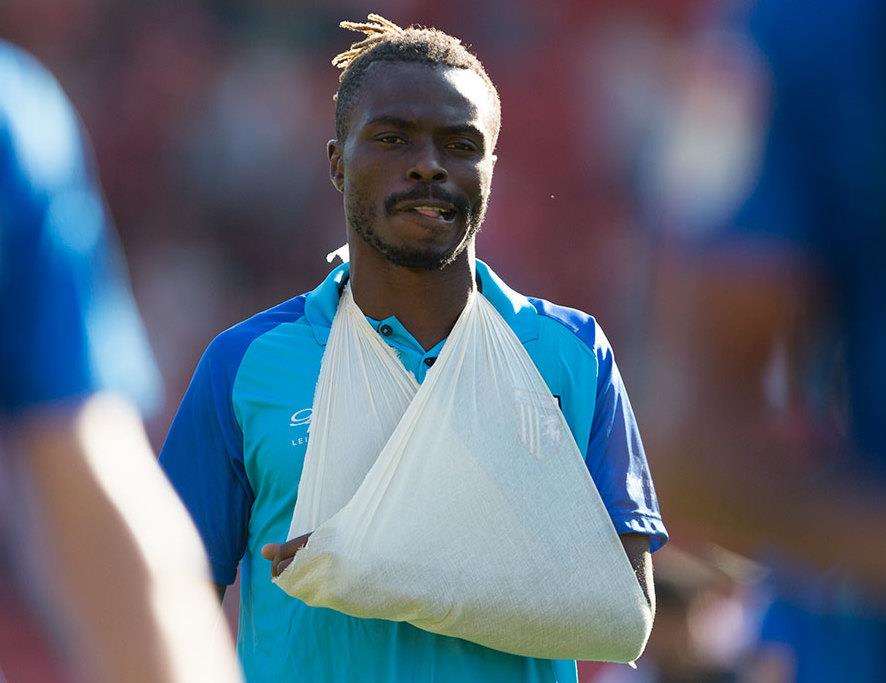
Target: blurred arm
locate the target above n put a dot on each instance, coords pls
(126, 562)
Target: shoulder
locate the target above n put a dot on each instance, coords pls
(571, 328)
(226, 351)
(535, 318)
(42, 128)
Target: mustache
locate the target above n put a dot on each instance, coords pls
(420, 192)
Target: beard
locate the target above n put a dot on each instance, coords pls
(362, 215)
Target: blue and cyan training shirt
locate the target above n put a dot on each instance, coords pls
(235, 452)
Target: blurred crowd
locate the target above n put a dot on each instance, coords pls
(706, 178)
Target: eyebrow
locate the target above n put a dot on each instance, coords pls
(406, 124)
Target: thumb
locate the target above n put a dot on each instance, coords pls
(270, 550)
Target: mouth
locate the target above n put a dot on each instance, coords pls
(441, 212)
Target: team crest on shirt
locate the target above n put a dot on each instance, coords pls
(539, 420)
(300, 427)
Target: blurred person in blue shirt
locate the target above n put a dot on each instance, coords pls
(124, 572)
(821, 192)
(779, 314)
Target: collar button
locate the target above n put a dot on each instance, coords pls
(386, 330)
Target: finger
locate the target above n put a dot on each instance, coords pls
(270, 550)
(282, 564)
(288, 549)
(286, 553)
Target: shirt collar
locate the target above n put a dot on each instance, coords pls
(520, 315)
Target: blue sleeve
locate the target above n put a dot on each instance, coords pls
(203, 458)
(615, 455)
(69, 324)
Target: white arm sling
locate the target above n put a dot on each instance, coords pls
(462, 505)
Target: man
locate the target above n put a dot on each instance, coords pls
(416, 124)
(120, 558)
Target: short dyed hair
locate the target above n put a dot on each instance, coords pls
(387, 42)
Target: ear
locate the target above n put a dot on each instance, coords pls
(336, 165)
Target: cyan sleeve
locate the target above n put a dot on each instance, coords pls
(615, 456)
(69, 323)
(203, 458)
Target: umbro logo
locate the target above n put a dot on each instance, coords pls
(300, 421)
(301, 417)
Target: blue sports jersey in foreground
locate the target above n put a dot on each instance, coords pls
(68, 325)
(236, 449)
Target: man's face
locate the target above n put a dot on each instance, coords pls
(416, 167)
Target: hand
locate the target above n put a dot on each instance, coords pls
(281, 554)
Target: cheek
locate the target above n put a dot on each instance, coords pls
(483, 181)
(483, 171)
(365, 179)
(358, 197)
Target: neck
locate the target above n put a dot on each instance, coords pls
(426, 302)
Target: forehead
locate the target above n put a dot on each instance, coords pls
(427, 94)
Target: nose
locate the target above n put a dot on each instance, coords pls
(426, 167)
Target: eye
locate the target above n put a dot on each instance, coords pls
(462, 146)
(391, 139)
